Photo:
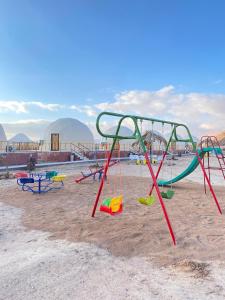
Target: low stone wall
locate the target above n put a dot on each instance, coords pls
(18, 158)
(22, 158)
(53, 156)
(15, 158)
(103, 154)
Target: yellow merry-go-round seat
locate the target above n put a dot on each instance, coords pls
(58, 178)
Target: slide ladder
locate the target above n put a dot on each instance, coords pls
(214, 143)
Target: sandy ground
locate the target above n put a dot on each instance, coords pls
(171, 168)
(60, 252)
(33, 267)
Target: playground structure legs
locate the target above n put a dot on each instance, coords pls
(154, 178)
(154, 184)
(207, 179)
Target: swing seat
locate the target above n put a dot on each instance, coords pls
(113, 205)
(147, 200)
(116, 203)
(105, 207)
(168, 194)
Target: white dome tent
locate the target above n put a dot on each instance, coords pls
(20, 138)
(2, 134)
(3, 139)
(66, 131)
(124, 131)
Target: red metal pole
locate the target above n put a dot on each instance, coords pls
(209, 183)
(160, 198)
(208, 158)
(158, 171)
(202, 141)
(204, 176)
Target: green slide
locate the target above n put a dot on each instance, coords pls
(193, 165)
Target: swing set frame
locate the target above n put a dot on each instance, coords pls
(138, 136)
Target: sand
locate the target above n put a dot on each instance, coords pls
(134, 246)
(34, 267)
(139, 230)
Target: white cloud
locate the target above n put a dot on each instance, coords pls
(194, 109)
(33, 128)
(86, 109)
(207, 126)
(14, 106)
(50, 106)
(24, 106)
(139, 101)
(30, 121)
(219, 81)
(202, 113)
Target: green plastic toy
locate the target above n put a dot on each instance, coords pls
(106, 202)
(147, 200)
(51, 174)
(168, 194)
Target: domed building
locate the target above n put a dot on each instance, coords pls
(63, 132)
(20, 138)
(2, 134)
(124, 131)
(3, 139)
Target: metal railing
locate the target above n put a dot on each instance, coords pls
(18, 146)
(83, 148)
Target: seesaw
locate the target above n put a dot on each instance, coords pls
(99, 171)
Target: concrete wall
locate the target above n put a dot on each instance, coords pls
(18, 158)
(102, 154)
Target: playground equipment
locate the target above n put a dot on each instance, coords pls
(113, 205)
(137, 135)
(93, 174)
(213, 142)
(168, 194)
(204, 153)
(39, 183)
(149, 200)
(197, 160)
(141, 160)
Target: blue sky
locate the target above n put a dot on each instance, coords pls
(92, 55)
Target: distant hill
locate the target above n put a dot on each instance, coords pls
(2, 134)
(221, 137)
(20, 138)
